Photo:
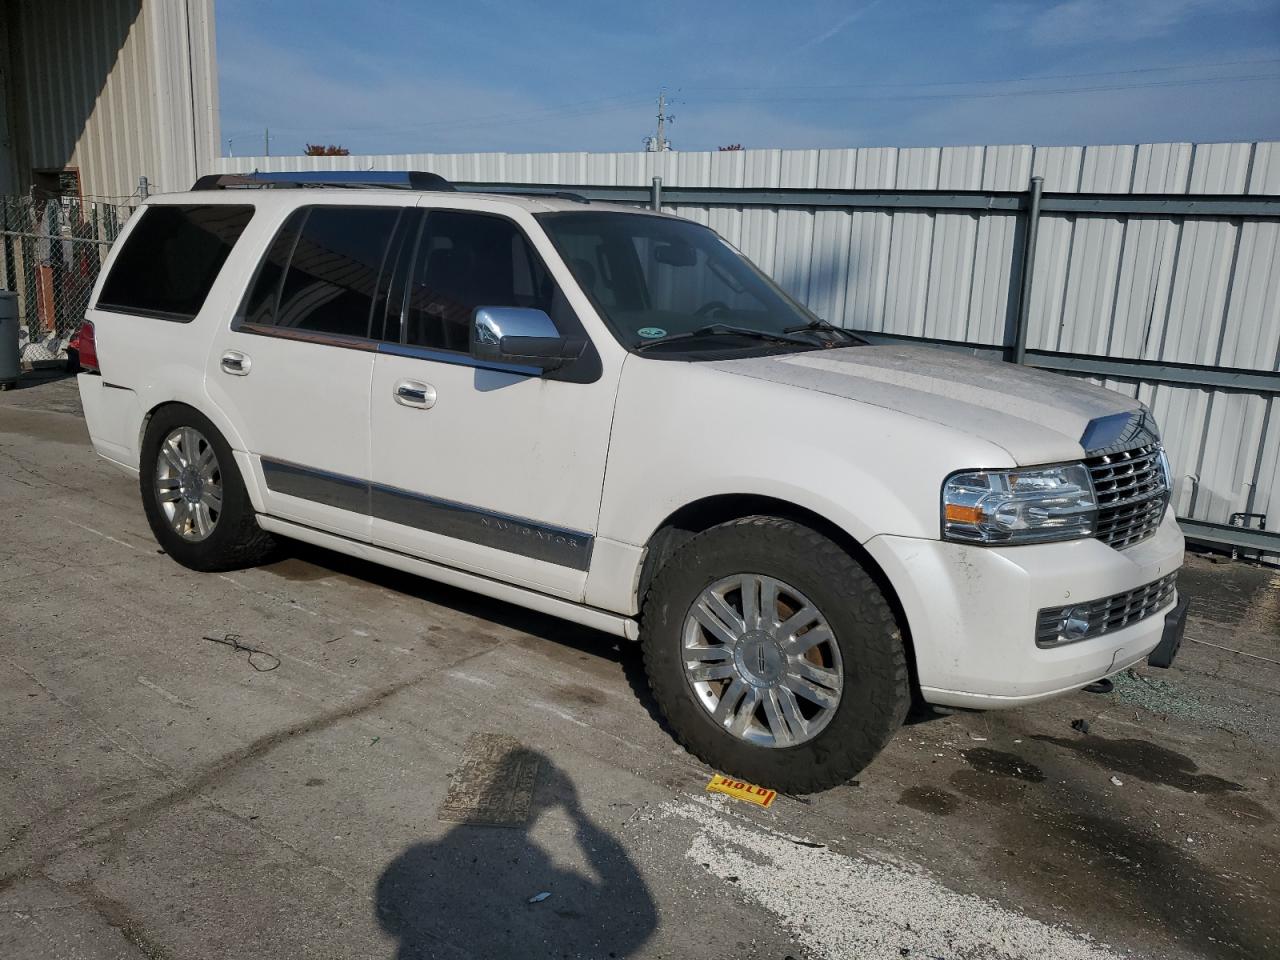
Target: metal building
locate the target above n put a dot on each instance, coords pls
(98, 94)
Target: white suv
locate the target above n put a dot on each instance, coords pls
(612, 416)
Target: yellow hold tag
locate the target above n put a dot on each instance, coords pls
(740, 790)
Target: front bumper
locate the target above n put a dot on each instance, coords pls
(972, 612)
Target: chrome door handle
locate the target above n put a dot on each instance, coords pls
(414, 393)
(236, 363)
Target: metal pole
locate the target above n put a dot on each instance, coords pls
(655, 194)
(144, 188)
(662, 120)
(1028, 268)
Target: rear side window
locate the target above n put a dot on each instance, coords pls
(171, 259)
(326, 271)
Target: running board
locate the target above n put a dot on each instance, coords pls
(613, 623)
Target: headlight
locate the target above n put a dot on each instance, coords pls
(1019, 506)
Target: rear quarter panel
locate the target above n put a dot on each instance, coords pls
(146, 361)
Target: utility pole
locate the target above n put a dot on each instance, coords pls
(266, 141)
(659, 142)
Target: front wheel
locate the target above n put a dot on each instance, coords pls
(774, 656)
(193, 495)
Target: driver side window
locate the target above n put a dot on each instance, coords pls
(468, 260)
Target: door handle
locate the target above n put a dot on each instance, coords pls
(236, 363)
(414, 393)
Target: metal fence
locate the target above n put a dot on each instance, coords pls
(50, 253)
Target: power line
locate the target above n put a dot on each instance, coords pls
(996, 82)
(995, 95)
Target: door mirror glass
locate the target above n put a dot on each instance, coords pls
(522, 336)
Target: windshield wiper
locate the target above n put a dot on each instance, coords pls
(825, 326)
(720, 329)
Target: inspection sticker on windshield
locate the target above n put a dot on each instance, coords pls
(740, 790)
(650, 332)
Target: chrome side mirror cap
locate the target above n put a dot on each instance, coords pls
(521, 336)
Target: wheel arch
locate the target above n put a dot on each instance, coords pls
(700, 515)
(214, 416)
(224, 426)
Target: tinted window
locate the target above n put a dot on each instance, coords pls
(324, 271)
(469, 260)
(261, 305)
(655, 276)
(171, 258)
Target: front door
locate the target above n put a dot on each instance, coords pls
(486, 468)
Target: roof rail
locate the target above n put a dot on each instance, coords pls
(519, 191)
(399, 179)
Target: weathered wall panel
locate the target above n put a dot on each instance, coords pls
(116, 89)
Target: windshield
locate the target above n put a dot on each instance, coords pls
(657, 277)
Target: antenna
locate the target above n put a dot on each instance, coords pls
(659, 141)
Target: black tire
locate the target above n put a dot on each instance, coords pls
(876, 692)
(236, 540)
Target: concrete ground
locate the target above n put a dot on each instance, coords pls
(165, 796)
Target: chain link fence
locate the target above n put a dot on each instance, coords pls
(50, 253)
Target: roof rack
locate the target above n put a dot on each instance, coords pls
(518, 191)
(398, 179)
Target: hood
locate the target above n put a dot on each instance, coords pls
(1037, 417)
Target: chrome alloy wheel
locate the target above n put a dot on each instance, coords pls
(189, 483)
(762, 660)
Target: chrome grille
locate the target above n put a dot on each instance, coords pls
(1105, 615)
(1132, 492)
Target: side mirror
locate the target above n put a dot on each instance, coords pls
(521, 336)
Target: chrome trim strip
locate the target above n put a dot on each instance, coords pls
(382, 346)
(458, 359)
(307, 336)
(459, 521)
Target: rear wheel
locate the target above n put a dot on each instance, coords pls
(774, 655)
(193, 495)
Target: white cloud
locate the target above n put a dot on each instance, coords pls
(1093, 21)
(837, 27)
(1146, 115)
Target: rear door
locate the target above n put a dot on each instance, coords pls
(293, 369)
(484, 467)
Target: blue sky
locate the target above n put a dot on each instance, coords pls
(379, 76)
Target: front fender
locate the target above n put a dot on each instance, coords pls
(682, 432)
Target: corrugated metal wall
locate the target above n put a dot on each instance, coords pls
(1185, 290)
(117, 89)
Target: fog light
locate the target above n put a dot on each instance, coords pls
(1062, 625)
(1075, 623)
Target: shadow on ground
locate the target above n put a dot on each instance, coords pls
(472, 889)
(302, 562)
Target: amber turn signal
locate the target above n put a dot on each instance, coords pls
(962, 514)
